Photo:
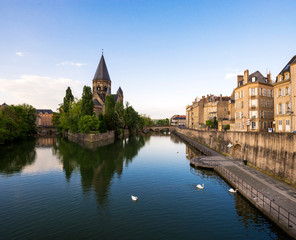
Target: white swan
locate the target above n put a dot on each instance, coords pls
(134, 198)
(200, 186)
(232, 190)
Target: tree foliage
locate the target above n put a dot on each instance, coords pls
(163, 122)
(68, 99)
(87, 107)
(17, 122)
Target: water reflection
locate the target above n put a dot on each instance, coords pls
(17, 155)
(97, 167)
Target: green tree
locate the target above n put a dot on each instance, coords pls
(110, 112)
(147, 121)
(87, 107)
(102, 127)
(131, 117)
(68, 99)
(72, 119)
(88, 123)
(209, 123)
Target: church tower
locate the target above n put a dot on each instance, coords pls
(102, 88)
(101, 80)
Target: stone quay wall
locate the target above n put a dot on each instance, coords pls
(272, 153)
(91, 138)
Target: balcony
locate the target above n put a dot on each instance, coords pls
(253, 107)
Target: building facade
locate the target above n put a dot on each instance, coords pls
(253, 102)
(178, 120)
(102, 87)
(284, 98)
(44, 118)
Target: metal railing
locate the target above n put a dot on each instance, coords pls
(277, 213)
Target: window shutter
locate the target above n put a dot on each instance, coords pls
(255, 91)
(250, 92)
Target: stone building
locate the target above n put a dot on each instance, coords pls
(206, 108)
(253, 102)
(284, 98)
(44, 117)
(178, 120)
(102, 87)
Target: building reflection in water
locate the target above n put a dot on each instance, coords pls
(97, 166)
(45, 141)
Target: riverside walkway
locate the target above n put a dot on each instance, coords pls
(276, 199)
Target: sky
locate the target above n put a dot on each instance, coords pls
(162, 53)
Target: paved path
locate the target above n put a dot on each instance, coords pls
(279, 193)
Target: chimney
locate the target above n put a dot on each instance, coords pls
(239, 79)
(246, 76)
(269, 78)
(221, 97)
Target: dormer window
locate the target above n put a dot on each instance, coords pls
(253, 79)
(280, 78)
(286, 76)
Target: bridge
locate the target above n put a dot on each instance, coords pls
(159, 128)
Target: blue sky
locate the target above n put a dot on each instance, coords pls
(162, 53)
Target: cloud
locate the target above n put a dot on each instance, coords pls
(233, 75)
(71, 64)
(20, 54)
(38, 91)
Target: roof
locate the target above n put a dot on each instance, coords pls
(4, 104)
(120, 91)
(102, 71)
(287, 67)
(176, 117)
(258, 77)
(96, 102)
(44, 111)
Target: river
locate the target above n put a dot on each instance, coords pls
(52, 188)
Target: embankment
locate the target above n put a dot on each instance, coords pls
(272, 153)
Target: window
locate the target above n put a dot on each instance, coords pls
(242, 104)
(253, 114)
(253, 79)
(264, 92)
(253, 91)
(253, 103)
(262, 102)
(268, 93)
(287, 125)
(287, 76)
(288, 105)
(267, 103)
(280, 78)
(254, 125)
(280, 125)
(260, 91)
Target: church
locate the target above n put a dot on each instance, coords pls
(102, 88)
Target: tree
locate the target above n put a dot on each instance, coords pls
(87, 107)
(209, 123)
(131, 117)
(226, 127)
(88, 123)
(102, 127)
(110, 112)
(68, 99)
(147, 121)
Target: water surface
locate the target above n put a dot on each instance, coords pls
(55, 189)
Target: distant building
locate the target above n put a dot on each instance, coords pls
(253, 102)
(178, 120)
(44, 117)
(207, 108)
(284, 98)
(102, 88)
(3, 106)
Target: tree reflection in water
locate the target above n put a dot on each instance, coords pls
(98, 166)
(17, 155)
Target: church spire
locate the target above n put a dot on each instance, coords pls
(102, 71)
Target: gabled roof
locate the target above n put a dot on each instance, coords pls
(258, 77)
(287, 67)
(102, 71)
